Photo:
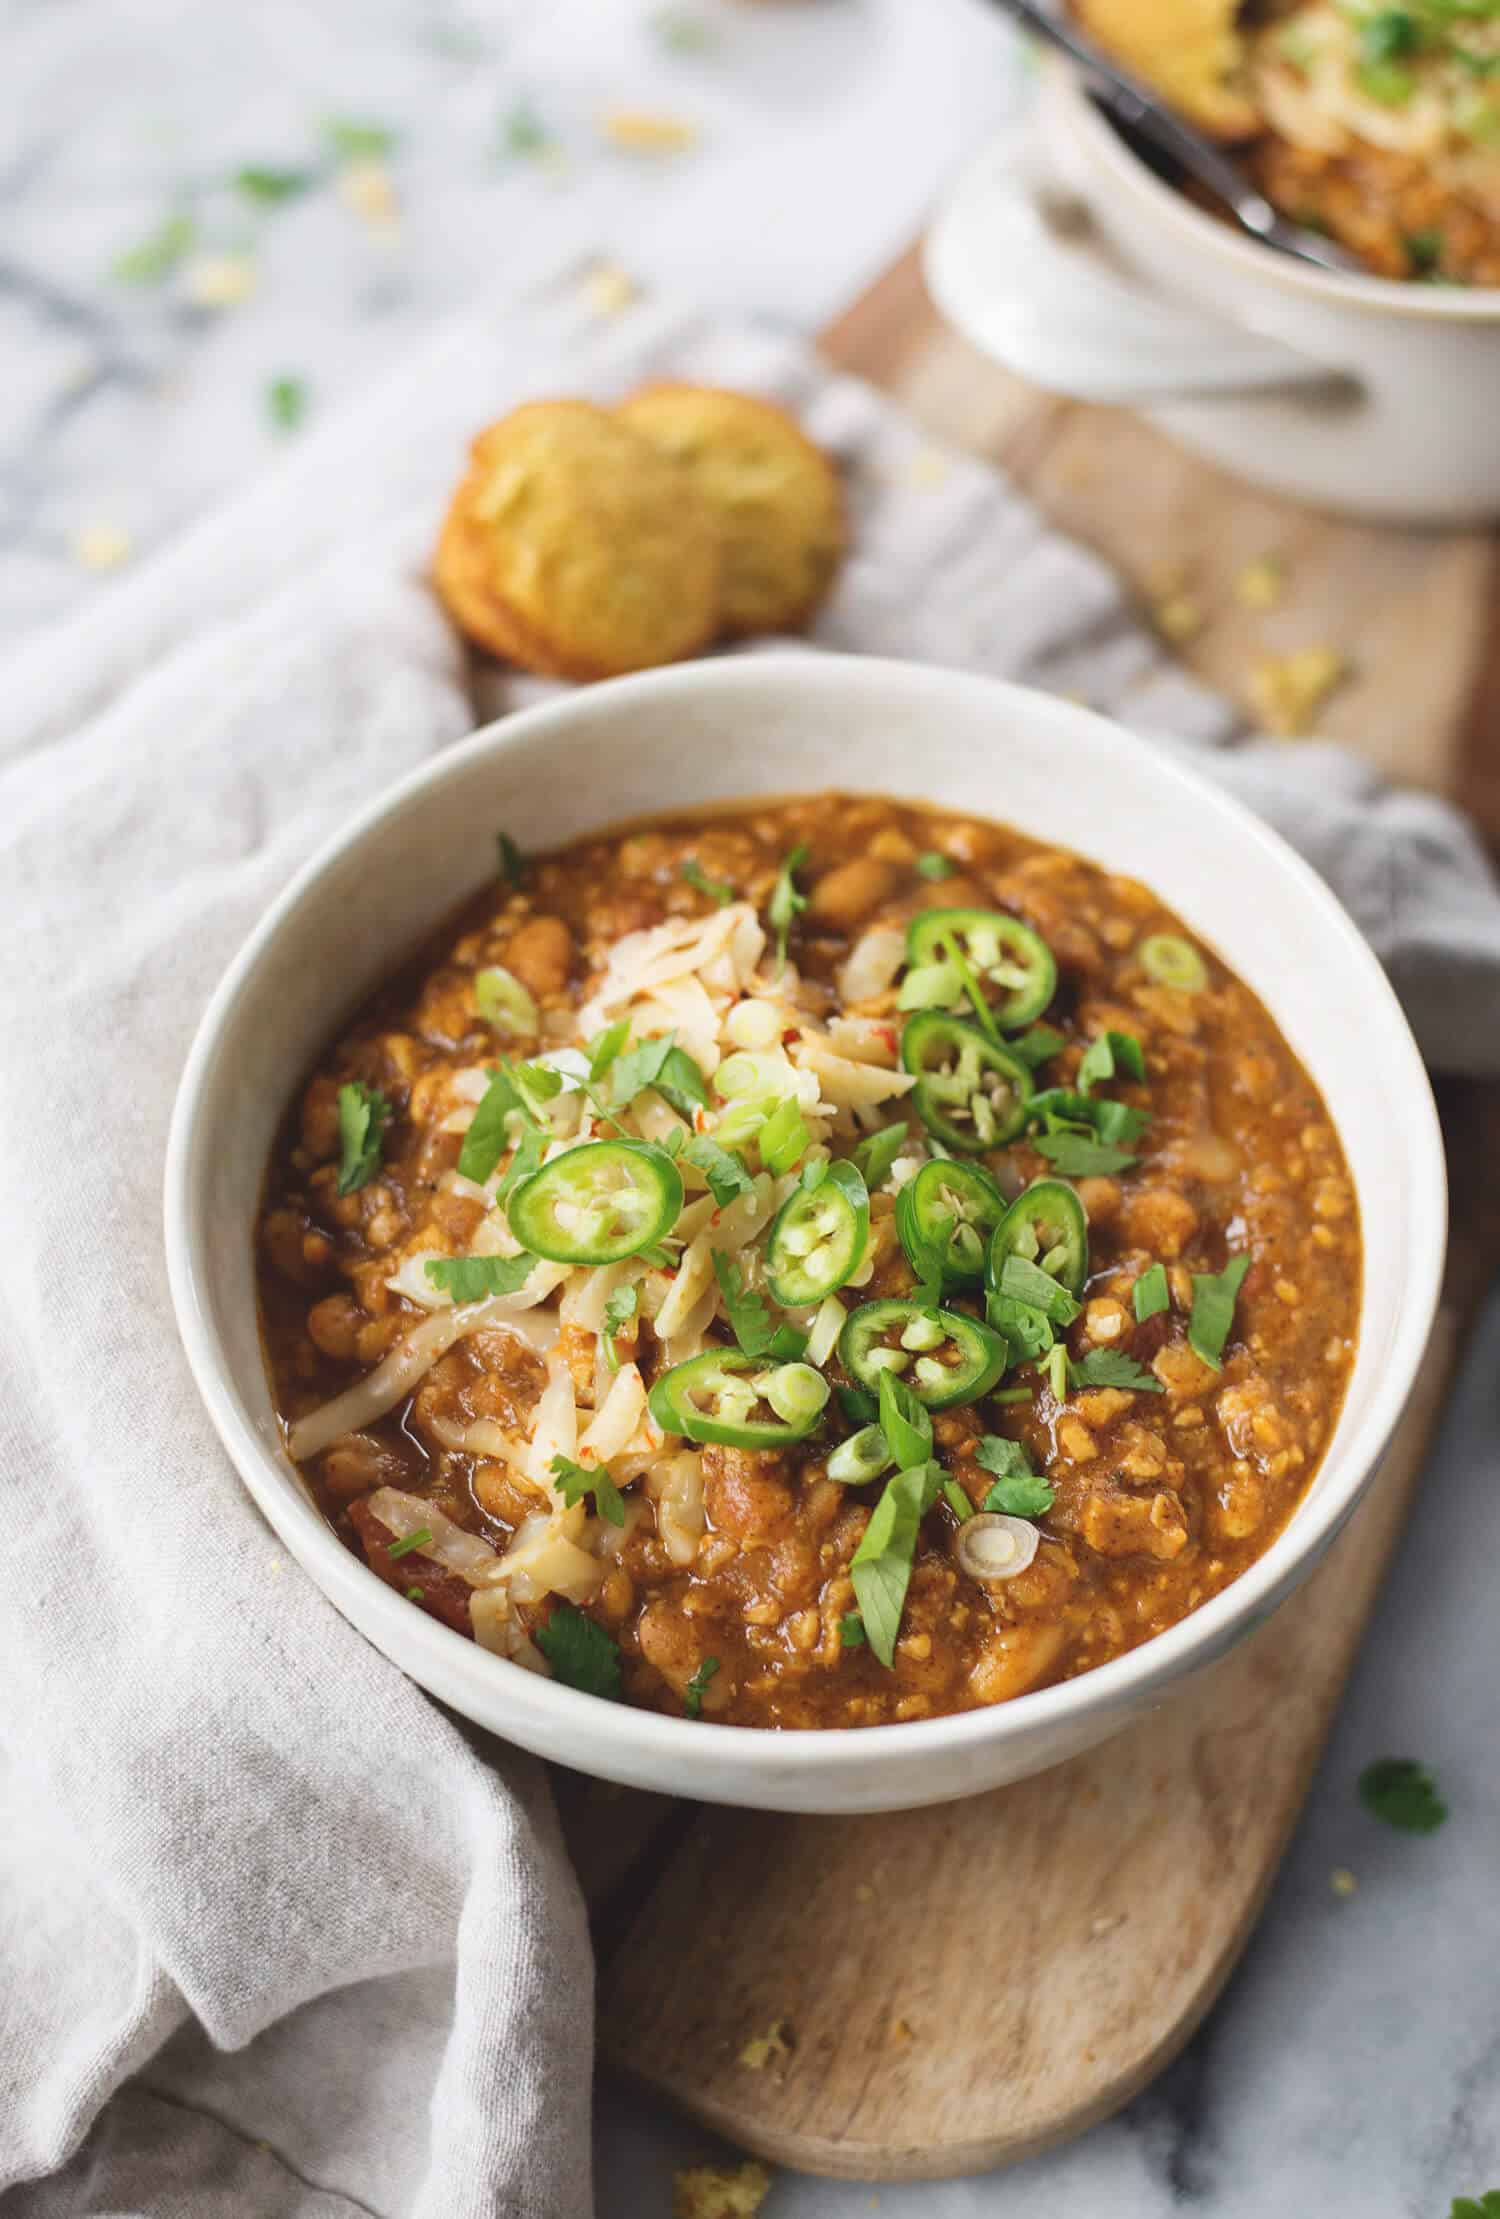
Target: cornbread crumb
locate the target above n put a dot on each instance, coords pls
(766, 2049)
(1342, 1881)
(720, 2191)
(927, 467)
(609, 289)
(1179, 618)
(638, 131)
(1262, 583)
(1289, 690)
(219, 280)
(102, 546)
(367, 190)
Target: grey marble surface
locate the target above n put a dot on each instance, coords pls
(1352, 2070)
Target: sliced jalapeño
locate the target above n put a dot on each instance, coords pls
(739, 1401)
(971, 1092)
(944, 1356)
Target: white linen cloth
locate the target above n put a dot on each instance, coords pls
(276, 1935)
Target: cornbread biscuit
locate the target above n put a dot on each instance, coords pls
(575, 547)
(1190, 50)
(776, 495)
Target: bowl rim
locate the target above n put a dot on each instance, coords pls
(1450, 304)
(431, 1652)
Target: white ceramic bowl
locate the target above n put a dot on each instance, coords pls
(778, 724)
(1357, 393)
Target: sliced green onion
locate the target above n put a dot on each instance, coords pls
(505, 1003)
(930, 986)
(863, 1457)
(795, 1392)
(1172, 961)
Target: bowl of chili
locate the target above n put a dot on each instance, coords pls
(980, 1263)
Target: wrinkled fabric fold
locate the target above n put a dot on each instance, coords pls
(276, 1936)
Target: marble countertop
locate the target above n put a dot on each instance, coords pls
(168, 323)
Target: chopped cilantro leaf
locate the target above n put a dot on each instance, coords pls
(1213, 1310)
(750, 1320)
(574, 1481)
(697, 1687)
(1404, 1794)
(472, 1278)
(1150, 1293)
(881, 1566)
(523, 1165)
(580, 1653)
(1026, 1328)
(1063, 1109)
(286, 402)
(1026, 1282)
(681, 1083)
(1080, 1156)
(1037, 1044)
(682, 32)
(877, 1152)
(523, 133)
(1424, 251)
(157, 255)
(934, 866)
(858, 1407)
(417, 1540)
(786, 903)
(851, 1630)
(606, 1045)
(358, 141)
(364, 1113)
(258, 181)
(1018, 1491)
(512, 862)
(1111, 1367)
(488, 1135)
(1109, 1055)
(717, 890)
(723, 1168)
(637, 1068)
(619, 1311)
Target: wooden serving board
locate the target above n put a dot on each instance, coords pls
(1058, 1943)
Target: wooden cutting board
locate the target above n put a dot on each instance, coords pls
(937, 1992)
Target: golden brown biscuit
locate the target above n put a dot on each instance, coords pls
(574, 546)
(1190, 50)
(777, 497)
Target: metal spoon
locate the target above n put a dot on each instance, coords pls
(1137, 109)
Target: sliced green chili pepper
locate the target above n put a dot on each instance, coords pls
(715, 1397)
(942, 1355)
(948, 1212)
(1001, 952)
(818, 1238)
(971, 1092)
(1045, 1226)
(597, 1203)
